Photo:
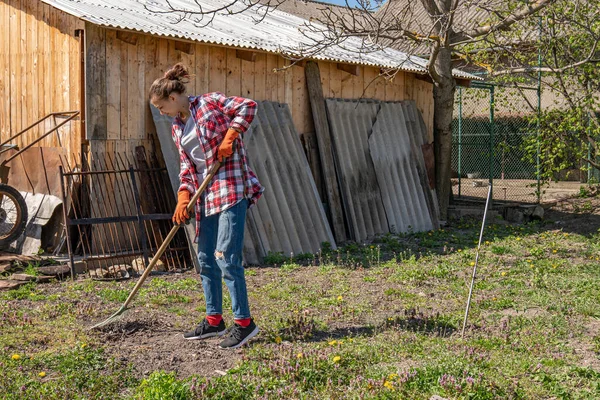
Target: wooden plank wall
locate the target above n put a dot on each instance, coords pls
(132, 66)
(39, 71)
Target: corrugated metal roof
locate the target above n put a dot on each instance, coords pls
(395, 156)
(351, 123)
(289, 217)
(277, 32)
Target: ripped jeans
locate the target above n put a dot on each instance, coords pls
(220, 246)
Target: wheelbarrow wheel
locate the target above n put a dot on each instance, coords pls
(13, 215)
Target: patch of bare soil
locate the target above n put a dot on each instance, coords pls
(150, 342)
(588, 350)
(527, 313)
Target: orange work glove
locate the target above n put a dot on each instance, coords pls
(181, 214)
(226, 147)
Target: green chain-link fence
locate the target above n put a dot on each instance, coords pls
(492, 127)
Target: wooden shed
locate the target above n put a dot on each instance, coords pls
(54, 57)
(100, 58)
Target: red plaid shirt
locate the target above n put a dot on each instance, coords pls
(214, 114)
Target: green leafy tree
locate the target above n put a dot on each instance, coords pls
(559, 49)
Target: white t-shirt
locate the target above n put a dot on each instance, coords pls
(191, 145)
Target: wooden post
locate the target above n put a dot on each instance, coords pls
(95, 82)
(317, 105)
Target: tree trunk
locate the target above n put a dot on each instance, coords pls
(443, 95)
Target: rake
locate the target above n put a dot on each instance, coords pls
(160, 251)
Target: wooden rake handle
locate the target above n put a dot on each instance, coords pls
(213, 170)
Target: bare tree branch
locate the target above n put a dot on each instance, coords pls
(587, 60)
(462, 38)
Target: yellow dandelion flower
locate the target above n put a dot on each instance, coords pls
(341, 342)
(278, 340)
(340, 298)
(388, 385)
(472, 263)
(16, 357)
(494, 299)
(518, 238)
(486, 242)
(503, 273)
(42, 374)
(554, 266)
(528, 261)
(83, 346)
(336, 359)
(333, 343)
(459, 250)
(299, 355)
(554, 251)
(392, 377)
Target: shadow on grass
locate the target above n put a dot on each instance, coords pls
(306, 330)
(126, 328)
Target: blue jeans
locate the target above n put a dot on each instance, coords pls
(220, 246)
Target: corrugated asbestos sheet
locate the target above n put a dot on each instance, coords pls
(380, 168)
(277, 31)
(415, 123)
(289, 217)
(351, 123)
(163, 125)
(395, 158)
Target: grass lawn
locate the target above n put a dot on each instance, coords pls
(377, 321)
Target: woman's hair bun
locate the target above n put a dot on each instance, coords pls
(177, 72)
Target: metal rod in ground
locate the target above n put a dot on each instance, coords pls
(487, 201)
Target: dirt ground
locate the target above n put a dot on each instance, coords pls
(151, 342)
(518, 190)
(151, 339)
(577, 215)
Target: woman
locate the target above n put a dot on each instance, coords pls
(207, 128)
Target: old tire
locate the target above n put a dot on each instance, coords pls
(13, 215)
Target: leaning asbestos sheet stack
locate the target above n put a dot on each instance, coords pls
(289, 217)
(380, 168)
(351, 123)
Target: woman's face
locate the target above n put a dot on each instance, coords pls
(171, 106)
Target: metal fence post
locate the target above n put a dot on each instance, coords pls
(491, 145)
(460, 115)
(138, 206)
(539, 114)
(67, 226)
